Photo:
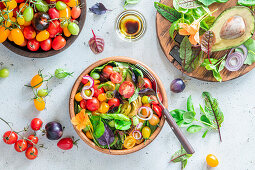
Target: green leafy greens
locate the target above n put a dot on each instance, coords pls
(169, 13)
(250, 45)
(209, 2)
(246, 2)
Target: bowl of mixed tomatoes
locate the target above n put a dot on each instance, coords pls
(114, 108)
(40, 28)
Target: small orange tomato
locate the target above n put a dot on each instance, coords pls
(212, 160)
(10, 37)
(4, 33)
(88, 134)
(78, 97)
(10, 4)
(104, 107)
(65, 14)
(27, 23)
(96, 82)
(43, 35)
(129, 142)
(72, 3)
(17, 36)
(102, 97)
(154, 120)
(7, 13)
(39, 104)
(23, 6)
(66, 32)
(36, 81)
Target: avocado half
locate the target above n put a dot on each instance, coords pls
(249, 21)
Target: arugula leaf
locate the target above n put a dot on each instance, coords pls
(135, 95)
(180, 156)
(169, 13)
(185, 51)
(98, 126)
(250, 45)
(194, 128)
(246, 2)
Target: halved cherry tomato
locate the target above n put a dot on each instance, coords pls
(157, 109)
(58, 43)
(116, 77)
(127, 89)
(20, 145)
(212, 160)
(36, 81)
(46, 44)
(76, 12)
(147, 83)
(33, 45)
(32, 140)
(97, 91)
(107, 71)
(83, 104)
(114, 102)
(10, 137)
(31, 153)
(92, 104)
(36, 124)
(39, 104)
(129, 142)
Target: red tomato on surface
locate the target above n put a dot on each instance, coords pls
(83, 104)
(116, 77)
(53, 13)
(29, 32)
(147, 83)
(32, 140)
(97, 91)
(65, 143)
(157, 109)
(31, 153)
(20, 145)
(92, 104)
(114, 102)
(76, 12)
(46, 44)
(127, 89)
(53, 28)
(10, 137)
(36, 124)
(33, 45)
(58, 43)
(107, 71)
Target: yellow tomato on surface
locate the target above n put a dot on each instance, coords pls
(17, 36)
(78, 97)
(39, 104)
(4, 33)
(36, 81)
(212, 160)
(43, 35)
(129, 142)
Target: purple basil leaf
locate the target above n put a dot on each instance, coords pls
(107, 138)
(98, 9)
(146, 92)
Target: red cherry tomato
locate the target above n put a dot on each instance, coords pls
(33, 45)
(58, 43)
(65, 143)
(31, 153)
(10, 137)
(97, 91)
(2, 6)
(76, 12)
(83, 104)
(29, 32)
(32, 140)
(147, 83)
(36, 124)
(116, 77)
(20, 1)
(53, 28)
(46, 44)
(157, 109)
(53, 13)
(20, 145)
(107, 71)
(15, 10)
(114, 102)
(127, 89)
(92, 104)
(65, 1)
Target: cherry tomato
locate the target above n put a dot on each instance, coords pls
(15, 11)
(83, 104)
(4, 73)
(154, 120)
(28, 13)
(53, 28)
(58, 43)
(73, 3)
(157, 109)
(108, 70)
(7, 13)
(65, 14)
(116, 77)
(104, 107)
(43, 35)
(97, 91)
(46, 44)
(146, 132)
(17, 36)
(32, 140)
(147, 83)
(65, 143)
(212, 160)
(23, 6)
(92, 104)
(145, 100)
(78, 97)
(24, 44)
(39, 104)
(60, 6)
(114, 102)
(102, 97)
(10, 137)
(31, 153)
(20, 1)
(4, 33)
(21, 20)
(129, 142)
(65, 1)
(76, 12)
(20, 145)
(53, 13)
(127, 89)
(33, 45)
(11, 4)
(73, 28)
(66, 32)
(154, 99)
(36, 124)
(36, 81)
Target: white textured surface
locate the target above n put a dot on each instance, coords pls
(236, 98)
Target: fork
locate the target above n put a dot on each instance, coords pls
(177, 131)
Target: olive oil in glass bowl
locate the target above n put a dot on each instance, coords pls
(130, 25)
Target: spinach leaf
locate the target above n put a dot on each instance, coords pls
(177, 114)
(188, 117)
(107, 138)
(250, 45)
(246, 2)
(98, 126)
(115, 117)
(135, 95)
(169, 13)
(194, 128)
(122, 125)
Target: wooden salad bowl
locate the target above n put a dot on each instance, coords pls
(77, 85)
(167, 44)
(23, 51)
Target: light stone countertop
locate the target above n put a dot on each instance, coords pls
(236, 98)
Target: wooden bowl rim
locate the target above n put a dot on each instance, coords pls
(75, 88)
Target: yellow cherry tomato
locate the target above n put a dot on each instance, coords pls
(43, 35)
(78, 97)
(10, 37)
(17, 36)
(146, 132)
(102, 97)
(65, 14)
(154, 120)
(39, 104)
(4, 33)
(88, 134)
(73, 3)
(36, 81)
(104, 107)
(7, 13)
(21, 20)
(27, 23)
(10, 4)
(212, 160)
(66, 32)
(129, 142)
(23, 6)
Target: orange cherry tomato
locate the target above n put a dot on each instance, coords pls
(154, 120)
(10, 4)
(102, 97)
(10, 37)
(66, 32)
(65, 14)
(78, 97)
(17, 36)
(39, 104)
(212, 160)
(43, 35)
(24, 43)
(104, 107)
(129, 142)
(36, 81)
(9, 22)
(27, 23)
(4, 33)
(23, 6)
(72, 3)
(76, 12)
(7, 13)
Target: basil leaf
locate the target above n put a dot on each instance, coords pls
(194, 128)
(169, 13)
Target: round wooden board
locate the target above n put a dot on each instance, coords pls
(24, 51)
(200, 73)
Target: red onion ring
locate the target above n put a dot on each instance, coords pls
(245, 51)
(84, 96)
(238, 57)
(91, 82)
(147, 117)
(139, 137)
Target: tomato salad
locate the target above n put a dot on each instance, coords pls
(116, 106)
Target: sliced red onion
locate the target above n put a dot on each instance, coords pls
(91, 82)
(137, 134)
(145, 117)
(83, 94)
(234, 61)
(245, 51)
(139, 126)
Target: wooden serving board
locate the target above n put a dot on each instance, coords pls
(167, 44)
